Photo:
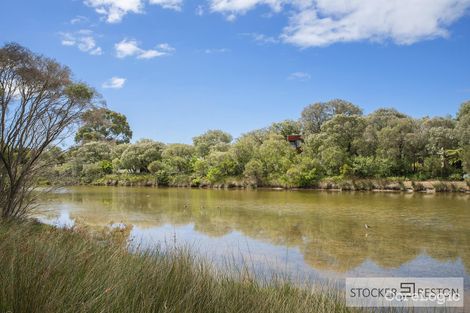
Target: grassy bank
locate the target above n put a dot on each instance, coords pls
(329, 183)
(51, 270)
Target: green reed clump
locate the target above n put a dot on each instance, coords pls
(44, 269)
(440, 187)
(417, 186)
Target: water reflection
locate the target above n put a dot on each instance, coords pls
(313, 234)
(63, 220)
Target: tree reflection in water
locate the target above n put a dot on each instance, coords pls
(321, 233)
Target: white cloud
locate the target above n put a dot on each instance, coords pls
(231, 17)
(324, 22)
(402, 21)
(127, 48)
(130, 47)
(78, 20)
(115, 10)
(261, 38)
(114, 83)
(169, 4)
(220, 50)
(234, 7)
(150, 54)
(83, 39)
(166, 47)
(301, 76)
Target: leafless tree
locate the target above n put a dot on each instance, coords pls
(39, 105)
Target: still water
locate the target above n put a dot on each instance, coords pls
(318, 236)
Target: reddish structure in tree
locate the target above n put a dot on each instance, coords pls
(296, 141)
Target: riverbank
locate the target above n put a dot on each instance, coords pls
(333, 183)
(45, 269)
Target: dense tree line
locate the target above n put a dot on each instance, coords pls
(339, 141)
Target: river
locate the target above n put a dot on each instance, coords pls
(312, 235)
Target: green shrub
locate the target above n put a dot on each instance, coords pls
(214, 175)
(346, 170)
(116, 165)
(456, 176)
(364, 167)
(254, 171)
(304, 173)
(384, 167)
(432, 166)
(106, 166)
(91, 172)
(155, 166)
(196, 182)
(163, 179)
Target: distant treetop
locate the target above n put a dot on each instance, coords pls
(104, 125)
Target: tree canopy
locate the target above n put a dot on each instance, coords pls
(211, 140)
(314, 115)
(101, 124)
(339, 141)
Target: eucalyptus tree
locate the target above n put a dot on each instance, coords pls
(382, 117)
(463, 134)
(220, 165)
(39, 105)
(212, 140)
(440, 134)
(276, 156)
(339, 140)
(395, 143)
(137, 157)
(179, 157)
(102, 124)
(286, 128)
(91, 158)
(376, 121)
(244, 149)
(315, 115)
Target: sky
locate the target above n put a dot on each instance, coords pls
(177, 68)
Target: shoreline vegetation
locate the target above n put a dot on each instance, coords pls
(333, 184)
(76, 270)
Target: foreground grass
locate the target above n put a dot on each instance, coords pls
(43, 269)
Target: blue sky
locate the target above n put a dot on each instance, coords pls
(176, 68)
